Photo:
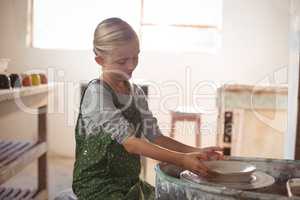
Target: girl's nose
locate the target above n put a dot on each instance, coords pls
(131, 65)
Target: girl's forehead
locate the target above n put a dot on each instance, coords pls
(128, 49)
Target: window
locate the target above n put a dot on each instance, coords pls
(177, 25)
(70, 24)
(164, 25)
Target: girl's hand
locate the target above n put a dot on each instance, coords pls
(192, 162)
(213, 153)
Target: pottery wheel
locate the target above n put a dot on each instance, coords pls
(259, 180)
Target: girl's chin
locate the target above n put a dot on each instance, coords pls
(125, 76)
(129, 76)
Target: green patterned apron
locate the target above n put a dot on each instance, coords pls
(103, 168)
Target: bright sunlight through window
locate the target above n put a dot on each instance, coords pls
(162, 25)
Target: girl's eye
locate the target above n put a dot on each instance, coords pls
(121, 62)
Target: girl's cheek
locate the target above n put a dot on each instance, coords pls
(118, 67)
(121, 69)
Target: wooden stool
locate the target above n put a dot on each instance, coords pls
(186, 114)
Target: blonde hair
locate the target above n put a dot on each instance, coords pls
(110, 33)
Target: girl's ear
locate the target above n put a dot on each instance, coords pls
(99, 60)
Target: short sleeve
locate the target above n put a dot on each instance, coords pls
(99, 113)
(151, 129)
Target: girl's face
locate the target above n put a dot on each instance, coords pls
(122, 61)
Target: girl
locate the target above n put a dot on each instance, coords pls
(115, 126)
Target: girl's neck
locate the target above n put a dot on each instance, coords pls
(118, 85)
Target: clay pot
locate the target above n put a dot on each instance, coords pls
(35, 78)
(26, 80)
(43, 78)
(15, 80)
(4, 82)
(230, 171)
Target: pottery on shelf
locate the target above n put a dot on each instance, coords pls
(26, 80)
(4, 82)
(43, 78)
(15, 80)
(35, 78)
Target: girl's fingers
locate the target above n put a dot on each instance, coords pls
(200, 172)
(209, 156)
(202, 156)
(202, 167)
(213, 149)
(215, 155)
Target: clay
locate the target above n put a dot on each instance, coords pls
(26, 80)
(35, 78)
(43, 78)
(15, 80)
(4, 81)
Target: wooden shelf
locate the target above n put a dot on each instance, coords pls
(14, 156)
(10, 94)
(21, 194)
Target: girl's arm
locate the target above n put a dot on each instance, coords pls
(174, 145)
(169, 143)
(153, 134)
(190, 161)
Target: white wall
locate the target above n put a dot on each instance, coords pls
(255, 44)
